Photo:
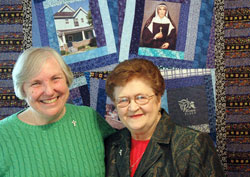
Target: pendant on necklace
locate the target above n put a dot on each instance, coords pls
(74, 123)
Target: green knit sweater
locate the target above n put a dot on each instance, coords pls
(72, 146)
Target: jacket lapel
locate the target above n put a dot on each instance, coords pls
(123, 155)
(159, 140)
(150, 157)
(153, 152)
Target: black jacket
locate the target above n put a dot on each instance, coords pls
(173, 151)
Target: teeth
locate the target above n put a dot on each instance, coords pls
(50, 101)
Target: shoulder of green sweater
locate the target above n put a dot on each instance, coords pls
(8, 121)
(6, 125)
(79, 107)
(82, 111)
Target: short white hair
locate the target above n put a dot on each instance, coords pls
(29, 64)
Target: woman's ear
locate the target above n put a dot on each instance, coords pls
(159, 100)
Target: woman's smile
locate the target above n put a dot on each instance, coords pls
(49, 101)
(135, 116)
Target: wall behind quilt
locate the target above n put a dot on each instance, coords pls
(201, 70)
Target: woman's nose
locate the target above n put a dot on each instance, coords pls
(49, 89)
(133, 106)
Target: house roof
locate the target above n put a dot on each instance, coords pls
(64, 14)
(72, 13)
(80, 9)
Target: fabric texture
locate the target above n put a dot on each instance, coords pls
(237, 86)
(72, 146)
(172, 151)
(188, 105)
(11, 44)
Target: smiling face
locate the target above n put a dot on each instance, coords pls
(47, 92)
(141, 120)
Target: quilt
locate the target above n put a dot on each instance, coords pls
(208, 62)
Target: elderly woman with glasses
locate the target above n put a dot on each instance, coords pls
(152, 144)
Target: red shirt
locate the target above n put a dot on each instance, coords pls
(138, 147)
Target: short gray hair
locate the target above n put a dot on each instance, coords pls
(29, 64)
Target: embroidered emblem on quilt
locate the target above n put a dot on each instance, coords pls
(187, 107)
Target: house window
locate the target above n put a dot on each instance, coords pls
(76, 22)
(82, 20)
(67, 21)
(70, 38)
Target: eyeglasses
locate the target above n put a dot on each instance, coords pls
(139, 99)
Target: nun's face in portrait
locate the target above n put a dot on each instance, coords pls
(162, 11)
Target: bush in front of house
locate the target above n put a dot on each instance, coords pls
(63, 52)
(92, 42)
(81, 47)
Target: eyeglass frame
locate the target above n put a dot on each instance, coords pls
(134, 98)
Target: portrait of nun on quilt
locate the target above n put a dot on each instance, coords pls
(159, 30)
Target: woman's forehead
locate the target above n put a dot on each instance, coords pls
(162, 6)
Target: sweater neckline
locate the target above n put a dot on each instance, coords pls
(43, 127)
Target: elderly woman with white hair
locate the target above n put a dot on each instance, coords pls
(159, 31)
(50, 137)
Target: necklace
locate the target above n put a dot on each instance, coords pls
(132, 166)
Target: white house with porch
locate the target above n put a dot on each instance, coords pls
(72, 28)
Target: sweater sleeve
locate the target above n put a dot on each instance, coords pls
(4, 161)
(1, 162)
(204, 160)
(104, 127)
